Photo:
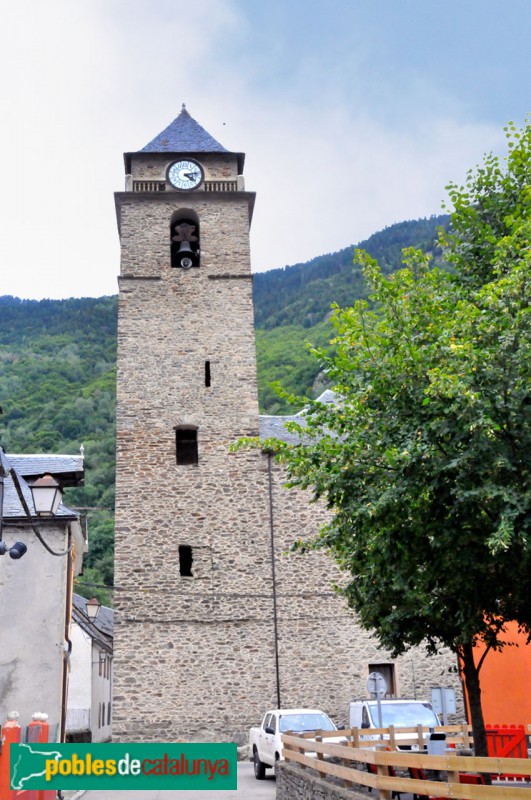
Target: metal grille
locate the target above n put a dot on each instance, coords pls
(209, 186)
(221, 186)
(149, 186)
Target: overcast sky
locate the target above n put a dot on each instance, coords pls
(354, 114)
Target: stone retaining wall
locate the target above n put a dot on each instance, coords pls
(294, 783)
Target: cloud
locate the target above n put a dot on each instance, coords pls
(84, 81)
(330, 181)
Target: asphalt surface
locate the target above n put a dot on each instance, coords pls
(248, 789)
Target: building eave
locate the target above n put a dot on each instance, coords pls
(171, 155)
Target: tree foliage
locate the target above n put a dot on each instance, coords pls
(292, 307)
(425, 459)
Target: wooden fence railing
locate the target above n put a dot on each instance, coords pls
(457, 736)
(375, 763)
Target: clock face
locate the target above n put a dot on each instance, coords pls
(185, 174)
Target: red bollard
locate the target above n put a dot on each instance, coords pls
(10, 735)
(39, 731)
(34, 735)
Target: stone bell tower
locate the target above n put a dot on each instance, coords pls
(213, 623)
(191, 517)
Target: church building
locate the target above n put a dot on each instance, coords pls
(215, 621)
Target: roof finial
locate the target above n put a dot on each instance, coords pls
(184, 107)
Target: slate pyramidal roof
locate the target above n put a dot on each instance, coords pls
(184, 135)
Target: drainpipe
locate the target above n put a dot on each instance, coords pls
(68, 641)
(273, 573)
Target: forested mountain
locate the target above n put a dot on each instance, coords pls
(302, 294)
(292, 305)
(58, 391)
(58, 365)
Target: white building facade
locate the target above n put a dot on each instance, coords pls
(89, 713)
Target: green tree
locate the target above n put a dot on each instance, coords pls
(425, 459)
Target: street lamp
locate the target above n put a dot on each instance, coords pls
(92, 607)
(46, 493)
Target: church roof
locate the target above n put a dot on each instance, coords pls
(275, 426)
(184, 135)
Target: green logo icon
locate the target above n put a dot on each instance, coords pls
(123, 766)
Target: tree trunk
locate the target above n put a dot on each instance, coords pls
(473, 690)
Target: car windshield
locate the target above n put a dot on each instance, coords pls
(305, 722)
(404, 715)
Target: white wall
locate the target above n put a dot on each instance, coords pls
(101, 694)
(79, 681)
(32, 626)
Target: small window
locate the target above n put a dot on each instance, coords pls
(186, 560)
(186, 445)
(207, 373)
(108, 713)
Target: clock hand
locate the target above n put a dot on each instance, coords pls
(190, 175)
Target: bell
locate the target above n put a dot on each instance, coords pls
(185, 255)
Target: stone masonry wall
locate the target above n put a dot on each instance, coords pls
(153, 166)
(294, 783)
(195, 657)
(325, 656)
(187, 648)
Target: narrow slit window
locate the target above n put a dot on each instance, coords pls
(185, 561)
(186, 445)
(207, 373)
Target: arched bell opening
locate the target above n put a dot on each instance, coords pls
(185, 242)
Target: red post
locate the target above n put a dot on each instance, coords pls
(10, 735)
(39, 731)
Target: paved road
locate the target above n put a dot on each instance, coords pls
(248, 789)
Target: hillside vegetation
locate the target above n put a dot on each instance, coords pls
(58, 391)
(292, 305)
(58, 365)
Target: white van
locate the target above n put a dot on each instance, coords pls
(400, 713)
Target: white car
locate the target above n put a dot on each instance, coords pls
(265, 742)
(399, 713)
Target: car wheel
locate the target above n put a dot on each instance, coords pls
(259, 766)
